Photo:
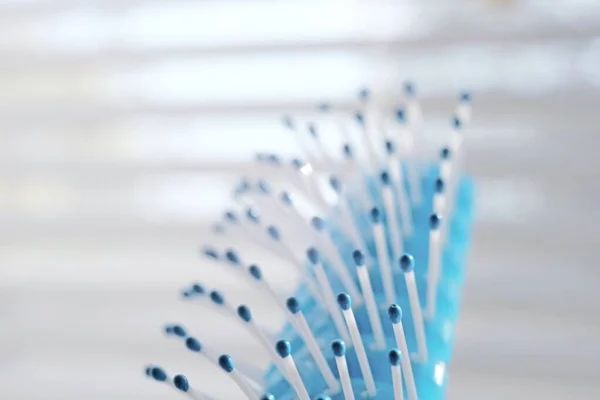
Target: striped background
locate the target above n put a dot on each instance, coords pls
(124, 122)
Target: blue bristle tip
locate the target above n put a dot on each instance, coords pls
(385, 177)
(268, 396)
(338, 347)
(273, 232)
(226, 363)
(394, 357)
(347, 150)
(255, 272)
(198, 289)
(232, 256)
(409, 88)
(434, 222)
(181, 383)
(407, 262)
(283, 348)
(287, 121)
(390, 148)
(244, 313)
(335, 184)
(158, 374)
(286, 198)
(193, 344)
(400, 115)
(252, 215)
(375, 215)
(264, 187)
(318, 223)
(456, 124)
(178, 330)
(344, 301)
(216, 297)
(231, 217)
(274, 159)
(439, 185)
(313, 255)
(297, 163)
(359, 118)
(395, 313)
(445, 153)
(358, 257)
(210, 253)
(292, 305)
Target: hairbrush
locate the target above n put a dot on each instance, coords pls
(387, 234)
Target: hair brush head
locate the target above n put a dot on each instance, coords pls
(381, 279)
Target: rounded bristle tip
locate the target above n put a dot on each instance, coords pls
(283, 348)
(407, 263)
(344, 301)
(358, 257)
(394, 357)
(226, 363)
(293, 305)
(338, 347)
(193, 344)
(395, 313)
(434, 221)
(181, 383)
(158, 374)
(244, 313)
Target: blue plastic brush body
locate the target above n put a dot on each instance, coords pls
(431, 378)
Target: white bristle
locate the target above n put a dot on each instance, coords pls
(390, 213)
(405, 209)
(245, 315)
(330, 303)
(346, 218)
(382, 257)
(339, 350)
(345, 304)
(226, 363)
(439, 203)
(331, 253)
(307, 177)
(313, 347)
(406, 263)
(395, 360)
(366, 142)
(284, 351)
(414, 118)
(310, 283)
(371, 305)
(434, 272)
(326, 159)
(395, 314)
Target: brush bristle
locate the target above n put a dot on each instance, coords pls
(379, 298)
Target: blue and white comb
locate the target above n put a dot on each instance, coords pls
(386, 238)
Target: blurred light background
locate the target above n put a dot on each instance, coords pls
(123, 124)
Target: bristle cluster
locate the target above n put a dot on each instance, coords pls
(385, 239)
